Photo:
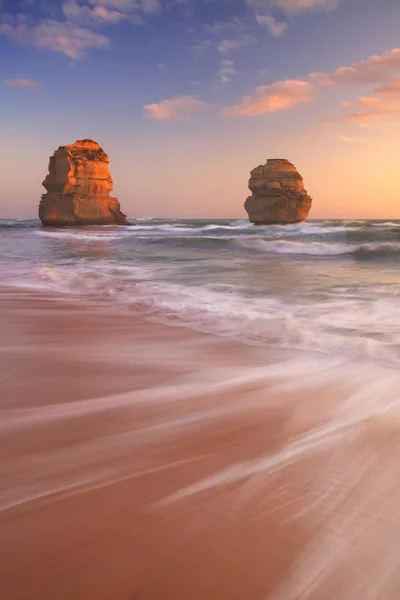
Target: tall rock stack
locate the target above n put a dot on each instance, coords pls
(278, 196)
(78, 188)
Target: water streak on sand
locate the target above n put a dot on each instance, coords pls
(257, 462)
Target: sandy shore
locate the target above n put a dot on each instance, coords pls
(145, 462)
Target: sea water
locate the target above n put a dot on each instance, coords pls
(328, 286)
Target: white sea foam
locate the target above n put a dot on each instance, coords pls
(216, 277)
(289, 247)
(79, 235)
(340, 323)
(317, 248)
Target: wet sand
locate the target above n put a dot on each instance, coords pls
(146, 462)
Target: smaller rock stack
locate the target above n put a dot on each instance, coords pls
(78, 188)
(278, 196)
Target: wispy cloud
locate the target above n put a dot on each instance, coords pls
(178, 108)
(228, 45)
(74, 36)
(23, 82)
(128, 6)
(273, 13)
(85, 13)
(201, 47)
(275, 27)
(64, 37)
(351, 140)
(375, 109)
(227, 69)
(228, 36)
(384, 103)
(109, 11)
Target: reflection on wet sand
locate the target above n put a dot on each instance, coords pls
(151, 462)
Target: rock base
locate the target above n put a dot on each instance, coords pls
(60, 210)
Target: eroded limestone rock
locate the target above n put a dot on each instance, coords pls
(278, 194)
(78, 188)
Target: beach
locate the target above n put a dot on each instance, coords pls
(150, 461)
(196, 410)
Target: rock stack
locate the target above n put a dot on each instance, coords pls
(278, 194)
(78, 188)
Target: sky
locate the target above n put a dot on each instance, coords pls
(187, 96)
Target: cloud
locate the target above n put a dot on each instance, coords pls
(84, 13)
(390, 89)
(230, 35)
(282, 95)
(150, 6)
(372, 70)
(228, 45)
(266, 11)
(275, 27)
(120, 5)
(64, 37)
(201, 47)
(227, 69)
(375, 108)
(351, 140)
(382, 70)
(109, 11)
(129, 6)
(178, 108)
(296, 7)
(23, 82)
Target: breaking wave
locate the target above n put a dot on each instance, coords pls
(326, 286)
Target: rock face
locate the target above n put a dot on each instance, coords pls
(78, 188)
(278, 196)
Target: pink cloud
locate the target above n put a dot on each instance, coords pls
(264, 11)
(378, 109)
(298, 6)
(23, 82)
(287, 94)
(385, 103)
(282, 95)
(120, 5)
(372, 70)
(67, 38)
(369, 100)
(80, 12)
(391, 88)
(178, 108)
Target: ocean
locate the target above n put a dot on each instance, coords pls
(328, 286)
(200, 409)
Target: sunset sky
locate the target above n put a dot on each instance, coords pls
(187, 96)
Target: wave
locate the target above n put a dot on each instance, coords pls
(78, 235)
(320, 248)
(358, 327)
(19, 223)
(387, 224)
